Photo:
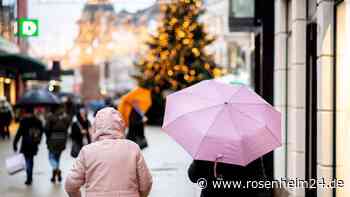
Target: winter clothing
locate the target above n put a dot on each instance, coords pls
(57, 132)
(57, 126)
(136, 128)
(112, 165)
(6, 116)
(226, 172)
(29, 168)
(54, 159)
(30, 130)
(80, 129)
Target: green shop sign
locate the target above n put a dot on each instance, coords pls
(27, 27)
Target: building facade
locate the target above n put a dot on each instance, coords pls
(311, 89)
(231, 50)
(10, 82)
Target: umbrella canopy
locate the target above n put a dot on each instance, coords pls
(38, 97)
(25, 64)
(220, 122)
(141, 96)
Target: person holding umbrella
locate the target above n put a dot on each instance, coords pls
(133, 107)
(30, 131)
(31, 127)
(210, 172)
(226, 132)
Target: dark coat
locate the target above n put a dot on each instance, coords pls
(136, 131)
(76, 131)
(227, 172)
(5, 118)
(57, 132)
(28, 146)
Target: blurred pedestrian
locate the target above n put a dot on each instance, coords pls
(56, 131)
(70, 106)
(6, 116)
(112, 165)
(80, 132)
(136, 131)
(109, 102)
(30, 131)
(209, 172)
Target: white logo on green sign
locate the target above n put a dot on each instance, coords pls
(27, 27)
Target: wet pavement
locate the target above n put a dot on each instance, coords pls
(167, 160)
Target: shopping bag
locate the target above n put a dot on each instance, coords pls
(15, 164)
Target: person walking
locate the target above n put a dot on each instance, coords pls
(111, 165)
(136, 131)
(6, 116)
(80, 130)
(30, 131)
(56, 131)
(213, 173)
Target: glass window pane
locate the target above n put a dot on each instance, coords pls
(243, 8)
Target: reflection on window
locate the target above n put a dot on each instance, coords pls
(242, 8)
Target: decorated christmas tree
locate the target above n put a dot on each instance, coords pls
(177, 58)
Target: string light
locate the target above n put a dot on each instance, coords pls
(170, 73)
(192, 72)
(217, 72)
(180, 33)
(173, 21)
(186, 41)
(196, 52)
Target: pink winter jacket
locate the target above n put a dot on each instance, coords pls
(111, 166)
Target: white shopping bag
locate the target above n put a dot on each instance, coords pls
(15, 163)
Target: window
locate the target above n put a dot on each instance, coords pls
(242, 15)
(243, 8)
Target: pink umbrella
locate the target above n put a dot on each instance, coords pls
(219, 122)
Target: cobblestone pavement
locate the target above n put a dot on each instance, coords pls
(167, 161)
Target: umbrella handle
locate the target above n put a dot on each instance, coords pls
(215, 164)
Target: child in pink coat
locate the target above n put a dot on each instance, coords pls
(111, 166)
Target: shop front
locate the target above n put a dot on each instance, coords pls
(15, 69)
(8, 88)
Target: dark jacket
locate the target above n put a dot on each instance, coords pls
(57, 132)
(136, 131)
(226, 172)
(76, 131)
(29, 145)
(5, 118)
(136, 124)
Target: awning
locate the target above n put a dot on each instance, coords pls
(23, 63)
